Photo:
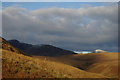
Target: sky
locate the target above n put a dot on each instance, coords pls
(60, 0)
(70, 25)
(38, 5)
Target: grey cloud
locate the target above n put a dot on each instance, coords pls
(68, 28)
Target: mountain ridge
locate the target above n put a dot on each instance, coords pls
(43, 50)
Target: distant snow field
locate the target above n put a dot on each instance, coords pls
(86, 52)
(82, 52)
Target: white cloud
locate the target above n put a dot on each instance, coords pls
(90, 25)
(60, 0)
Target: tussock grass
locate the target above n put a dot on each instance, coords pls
(21, 66)
(101, 63)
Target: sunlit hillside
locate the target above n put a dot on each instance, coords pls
(102, 63)
(21, 66)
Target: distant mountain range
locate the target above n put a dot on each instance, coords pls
(41, 50)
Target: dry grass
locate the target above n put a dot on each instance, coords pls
(7, 46)
(107, 65)
(102, 63)
(106, 68)
(21, 66)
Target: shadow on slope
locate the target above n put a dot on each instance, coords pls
(102, 63)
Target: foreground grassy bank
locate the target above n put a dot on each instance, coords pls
(21, 66)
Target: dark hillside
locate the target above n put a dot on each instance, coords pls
(41, 50)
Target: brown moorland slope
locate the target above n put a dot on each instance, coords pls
(6, 45)
(103, 63)
(107, 64)
(21, 66)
